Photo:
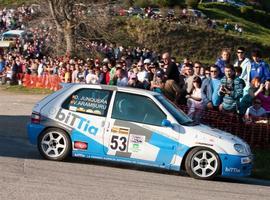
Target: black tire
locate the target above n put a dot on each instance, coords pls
(54, 144)
(202, 163)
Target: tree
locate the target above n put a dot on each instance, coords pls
(192, 3)
(69, 16)
(65, 21)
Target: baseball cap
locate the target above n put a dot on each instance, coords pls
(147, 61)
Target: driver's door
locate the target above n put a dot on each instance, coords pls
(135, 133)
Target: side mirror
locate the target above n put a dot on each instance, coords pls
(166, 123)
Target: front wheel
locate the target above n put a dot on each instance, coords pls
(202, 163)
(54, 144)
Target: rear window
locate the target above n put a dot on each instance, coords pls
(90, 101)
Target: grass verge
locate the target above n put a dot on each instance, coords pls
(252, 31)
(261, 169)
(23, 90)
(13, 3)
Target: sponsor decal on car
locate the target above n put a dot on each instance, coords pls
(80, 145)
(232, 170)
(76, 121)
(136, 143)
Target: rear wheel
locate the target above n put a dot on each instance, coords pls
(54, 144)
(202, 163)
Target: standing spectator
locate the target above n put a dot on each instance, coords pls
(243, 62)
(172, 72)
(157, 84)
(142, 74)
(189, 78)
(122, 79)
(255, 111)
(259, 68)
(74, 73)
(223, 61)
(195, 100)
(231, 90)
(152, 71)
(215, 85)
(133, 82)
(182, 66)
(264, 95)
(2, 69)
(226, 27)
(105, 75)
(205, 86)
(92, 77)
(80, 76)
(197, 68)
(247, 99)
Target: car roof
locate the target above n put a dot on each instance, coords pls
(112, 88)
(15, 32)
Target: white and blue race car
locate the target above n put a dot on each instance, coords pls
(133, 126)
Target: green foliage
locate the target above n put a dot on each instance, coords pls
(142, 3)
(195, 41)
(192, 3)
(166, 3)
(159, 3)
(11, 3)
(128, 3)
(246, 10)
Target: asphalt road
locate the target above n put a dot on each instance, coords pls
(25, 175)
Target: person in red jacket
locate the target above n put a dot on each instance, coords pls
(105, 75)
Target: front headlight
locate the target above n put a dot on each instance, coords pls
(239, 148)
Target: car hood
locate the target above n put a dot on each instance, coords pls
(212, 134)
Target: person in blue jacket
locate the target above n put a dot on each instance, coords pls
(223, 61)
(231, 90)
(259, 68)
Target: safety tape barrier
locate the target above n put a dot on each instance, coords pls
(51, 82)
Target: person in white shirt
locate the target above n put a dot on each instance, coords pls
(255, 111)
(92, 77)
(142, 73)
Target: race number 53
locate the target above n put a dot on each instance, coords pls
(119, 143)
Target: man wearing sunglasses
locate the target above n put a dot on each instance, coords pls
(243, 62)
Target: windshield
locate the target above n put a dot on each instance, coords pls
(178, 114)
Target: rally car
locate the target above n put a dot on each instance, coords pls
(134, 126)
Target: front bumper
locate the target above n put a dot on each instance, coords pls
(236, 166)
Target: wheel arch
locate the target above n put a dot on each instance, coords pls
(202, 146)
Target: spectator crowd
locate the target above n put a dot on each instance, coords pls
(238, 87)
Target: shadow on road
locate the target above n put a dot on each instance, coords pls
(14, 144)
(13, 126)
(13, 138)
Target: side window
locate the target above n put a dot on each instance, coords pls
(91, 101)
(136, 108)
